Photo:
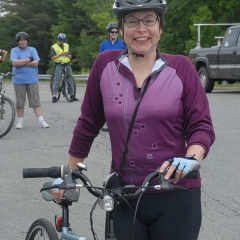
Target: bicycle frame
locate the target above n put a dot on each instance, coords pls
(67, 233)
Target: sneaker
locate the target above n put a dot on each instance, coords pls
(19, 125)
(54, 99)
(73, 98)
(43, 124)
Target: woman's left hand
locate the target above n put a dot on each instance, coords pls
(182, 165)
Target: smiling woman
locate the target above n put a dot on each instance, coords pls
(158, 118)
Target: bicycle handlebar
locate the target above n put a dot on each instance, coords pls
(52, 172)
(6, 74)
(63, 171)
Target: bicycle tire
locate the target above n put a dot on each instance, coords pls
(42, 229)
(69, 82)
(7, 115)
(51, 87)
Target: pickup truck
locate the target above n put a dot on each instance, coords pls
(219, 63)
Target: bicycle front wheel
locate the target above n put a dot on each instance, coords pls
(70, 88)
(7, 115)
(41, 229)
(51, 87)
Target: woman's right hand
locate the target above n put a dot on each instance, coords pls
(57, 193)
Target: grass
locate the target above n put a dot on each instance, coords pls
(227, 85)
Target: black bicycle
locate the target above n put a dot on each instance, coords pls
(7, 109)
(66, 85)
(108, 197)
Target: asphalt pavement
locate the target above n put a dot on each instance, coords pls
(21, 203)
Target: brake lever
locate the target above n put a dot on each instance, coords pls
(62, 185)
(165, 185)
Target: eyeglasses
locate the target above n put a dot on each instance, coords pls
(148, 21)
(114, 32)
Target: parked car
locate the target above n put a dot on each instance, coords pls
(219, 63)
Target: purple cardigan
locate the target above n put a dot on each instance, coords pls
(173, 115)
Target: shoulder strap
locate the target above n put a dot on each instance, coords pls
(125, 151)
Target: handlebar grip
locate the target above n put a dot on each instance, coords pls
(52, 172)
(191, 175)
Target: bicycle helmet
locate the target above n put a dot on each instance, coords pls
(22, 35)
(111, 25)
(121, 7)
(62, 37)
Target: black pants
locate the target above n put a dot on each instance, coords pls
(163, 216)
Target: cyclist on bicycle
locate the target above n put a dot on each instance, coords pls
(172, 128)
(61, 55)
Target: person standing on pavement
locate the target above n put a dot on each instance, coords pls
(158, 117)
(61, 55)
(4, 53)
(25, 62)
(112, 42)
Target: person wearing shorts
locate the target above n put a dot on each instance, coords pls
(25, 62)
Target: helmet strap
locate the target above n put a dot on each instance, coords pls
(134, 54)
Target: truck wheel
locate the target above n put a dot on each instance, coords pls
(207, 82)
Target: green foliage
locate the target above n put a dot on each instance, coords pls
(208, 33)
(203, 15)
(33, 17)
(6, 66)
(87, 51)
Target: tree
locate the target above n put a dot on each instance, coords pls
(84, 22)
(203, 15)
(85, 26)
(33, 17)
(177, 19)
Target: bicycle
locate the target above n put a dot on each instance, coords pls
(107, 198)
(65, 86)
(7, 109)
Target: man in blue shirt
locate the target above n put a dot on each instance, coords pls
(25, 61)
(113, 42)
